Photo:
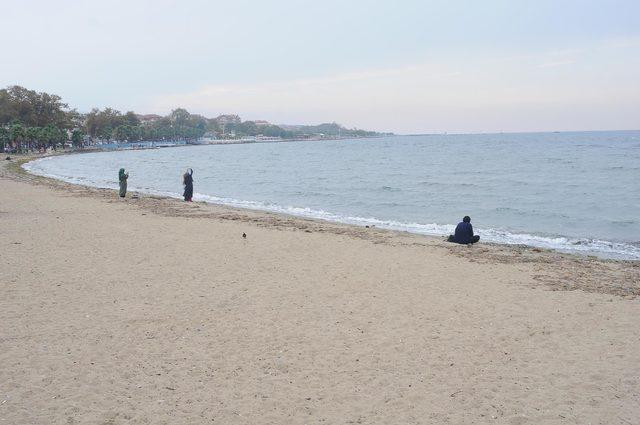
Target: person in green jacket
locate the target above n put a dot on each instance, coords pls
(123, 182)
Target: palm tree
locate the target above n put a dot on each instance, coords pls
(17, 134)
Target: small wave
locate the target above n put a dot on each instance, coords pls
(449, 185)
(431, 183)
(507, 209)
(314, 193)
(585, 246)
(623, 222)
(35, 167)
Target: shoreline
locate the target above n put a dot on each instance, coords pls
(131, 145)
(485, 251)
(611, 250)
(153, 310)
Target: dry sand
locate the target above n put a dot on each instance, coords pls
(154, 311)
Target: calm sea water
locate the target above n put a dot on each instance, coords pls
(575, 192)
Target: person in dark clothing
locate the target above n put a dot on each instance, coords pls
(464, 232)
(122, 177)
(187, 181)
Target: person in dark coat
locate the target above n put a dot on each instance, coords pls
(464, 232)
(187, 181)
(122, 177)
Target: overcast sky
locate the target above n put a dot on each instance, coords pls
(403, 66)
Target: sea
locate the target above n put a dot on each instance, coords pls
(575, 192)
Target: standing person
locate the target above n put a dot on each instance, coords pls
(122, 176)
(187, 181)
(464, 232)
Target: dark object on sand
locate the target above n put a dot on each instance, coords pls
(8, 158)
(464, 233)
(244, 235)
(187, 181)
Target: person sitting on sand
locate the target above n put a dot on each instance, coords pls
(464, 232)
(187, 181)
(123, 182)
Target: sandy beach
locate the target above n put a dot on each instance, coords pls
(153, 311)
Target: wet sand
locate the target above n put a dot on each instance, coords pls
(150, 310)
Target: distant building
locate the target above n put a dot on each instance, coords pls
(261, 123)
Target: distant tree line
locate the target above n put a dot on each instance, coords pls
(331, 130)
(110, 124)
(31, 120)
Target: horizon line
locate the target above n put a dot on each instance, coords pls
(473, 133)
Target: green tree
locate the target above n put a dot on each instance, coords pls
(179, 117)
(131, 119)
(77, 138)
(31, 136)
(32, 108)
(122, 133)
(4, 138)
(52, 136)
(100, 124)
(17, 134)
(61, 137)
